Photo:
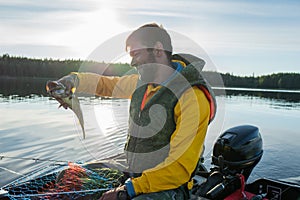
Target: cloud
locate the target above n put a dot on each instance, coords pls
(77, 25)
(48, 6)
(40, 51)
(30, 21)
(225, 29)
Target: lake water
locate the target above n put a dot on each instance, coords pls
(32, 127)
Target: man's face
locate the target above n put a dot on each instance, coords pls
(144, 60)
(141, 57)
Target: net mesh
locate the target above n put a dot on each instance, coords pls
(74, 182)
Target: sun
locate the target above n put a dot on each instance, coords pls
(91, 29)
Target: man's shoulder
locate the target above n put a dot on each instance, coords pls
(194, 92)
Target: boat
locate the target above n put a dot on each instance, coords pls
(235, 153)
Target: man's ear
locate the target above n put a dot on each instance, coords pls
(158, 49)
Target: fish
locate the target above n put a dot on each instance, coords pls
(66, 99)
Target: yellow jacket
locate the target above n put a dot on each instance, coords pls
(192, 113)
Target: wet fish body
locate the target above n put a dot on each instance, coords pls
(59, 92)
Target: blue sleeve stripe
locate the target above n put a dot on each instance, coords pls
(130, 188)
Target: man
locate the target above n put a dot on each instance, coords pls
(171, 108)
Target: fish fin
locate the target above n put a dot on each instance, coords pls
(47, 87)
(64, 105)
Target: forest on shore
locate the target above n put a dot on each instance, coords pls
(23, 67)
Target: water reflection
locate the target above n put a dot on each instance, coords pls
(281, 95)
(34, 127)
(29, 87)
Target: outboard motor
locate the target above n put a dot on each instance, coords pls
(236, 152)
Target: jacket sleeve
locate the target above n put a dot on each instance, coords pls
(110, 86)
(186, 146)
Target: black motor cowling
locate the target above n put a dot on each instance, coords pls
(236, 152)
(238, 148)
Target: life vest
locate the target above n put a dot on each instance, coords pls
(151, 128)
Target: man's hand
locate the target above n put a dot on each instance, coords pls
(118, 193)
(70, 82)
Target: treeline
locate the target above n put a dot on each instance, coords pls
(274, 81)
(48, 68)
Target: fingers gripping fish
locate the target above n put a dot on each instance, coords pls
(66, 99)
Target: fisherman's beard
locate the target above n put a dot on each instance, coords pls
(148, 70)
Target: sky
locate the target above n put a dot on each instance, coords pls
(239, 37)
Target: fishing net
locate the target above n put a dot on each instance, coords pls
(74, 182)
